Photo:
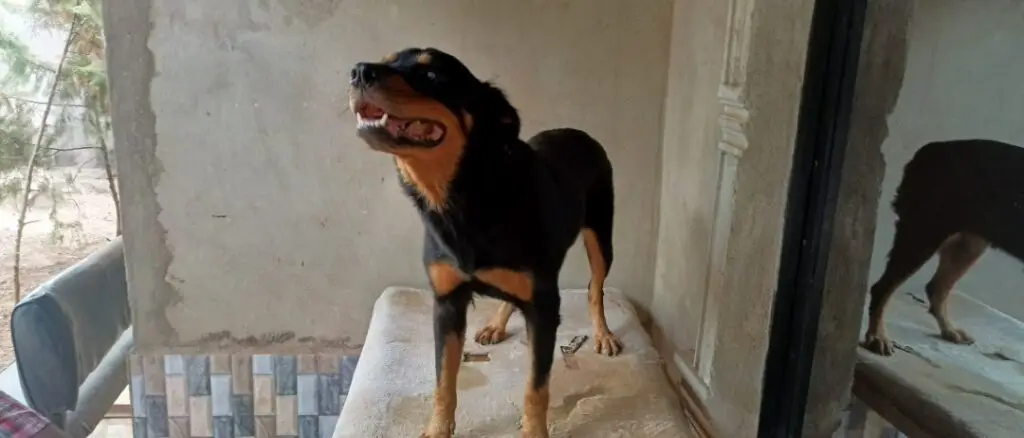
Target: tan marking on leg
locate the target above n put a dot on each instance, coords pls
(535, 411)
(535, 401)
(494, 331)
(956, 257)
(444, 278)
(442, 421)
(517, 284)
(604, 341)
(910, 250)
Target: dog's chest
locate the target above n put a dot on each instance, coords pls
(477, 244)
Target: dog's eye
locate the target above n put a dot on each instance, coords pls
(431, 75)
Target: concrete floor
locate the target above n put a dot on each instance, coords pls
(115, 427)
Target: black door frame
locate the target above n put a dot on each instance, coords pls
(826, 101)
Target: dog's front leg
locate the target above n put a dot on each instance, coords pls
(451, 300)
(540, 303)
(542, 320)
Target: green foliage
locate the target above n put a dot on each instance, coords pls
(85, 80)
(16, 135)
(81, 95)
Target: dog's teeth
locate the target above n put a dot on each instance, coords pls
(384, 120)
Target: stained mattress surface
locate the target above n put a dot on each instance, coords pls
(591, 395)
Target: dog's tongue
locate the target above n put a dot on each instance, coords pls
(394, 125)
(423, 131)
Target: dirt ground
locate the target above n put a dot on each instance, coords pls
(86, 206)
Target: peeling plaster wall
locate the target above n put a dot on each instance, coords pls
(880, 71)
(254, 219)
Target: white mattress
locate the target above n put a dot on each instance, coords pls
(594, 396)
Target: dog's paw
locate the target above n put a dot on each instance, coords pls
(607, 344)
(439, 429)
(489, 334)
(957, 336)
(533, 429)
(879, 344)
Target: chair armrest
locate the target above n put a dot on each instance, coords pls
(101, 388)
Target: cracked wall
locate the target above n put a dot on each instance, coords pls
(256, 220)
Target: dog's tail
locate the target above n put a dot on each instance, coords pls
(917, 183)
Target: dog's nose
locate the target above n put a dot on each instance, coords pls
(365, 74)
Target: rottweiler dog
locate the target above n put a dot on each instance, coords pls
(499, 213)
(956, 198)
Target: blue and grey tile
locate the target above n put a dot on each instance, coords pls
(309, 426)
(139, 429)
(220, 395)
(327, 424)
(223, 427)
(137, 390)
(241, 410)
(306, 395)
(329, 394)
(348, 369)
(156, 416)
(198, 375)
(263, 364)
(174, 365)
(285, 374)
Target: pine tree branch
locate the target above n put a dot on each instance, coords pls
(36, 102)
(70, 149)
(31, 165)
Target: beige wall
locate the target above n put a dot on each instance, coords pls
(962, 80)
(276, 226)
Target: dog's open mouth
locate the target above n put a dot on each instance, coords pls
(373, 120)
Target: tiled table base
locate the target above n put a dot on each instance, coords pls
(236, 396)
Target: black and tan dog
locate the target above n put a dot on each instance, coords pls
(958, 198)
(499, 213)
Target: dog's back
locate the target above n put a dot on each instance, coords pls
(583, 174)
(973, 186)
(573, 155)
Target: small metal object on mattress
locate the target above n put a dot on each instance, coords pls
(569, 351)
(475, 357)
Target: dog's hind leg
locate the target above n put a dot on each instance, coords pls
(494, 331)
(956, 257)
(912, 246)
(597, 239)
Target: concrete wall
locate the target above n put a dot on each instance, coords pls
(689, 170)
(276, 227)
(765, 69)
(962, 80)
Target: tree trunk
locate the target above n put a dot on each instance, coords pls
(101, 135)
(32, 163)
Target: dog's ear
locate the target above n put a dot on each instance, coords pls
(492, 108)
